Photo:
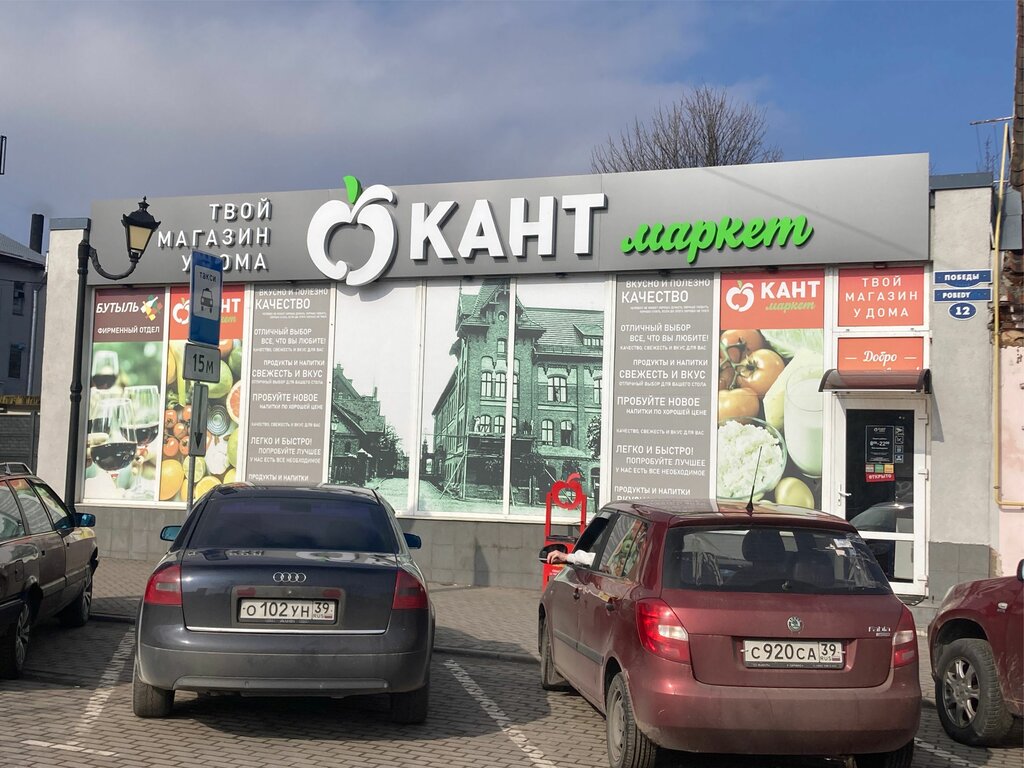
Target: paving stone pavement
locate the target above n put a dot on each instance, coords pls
(486, 709)
(495, 621)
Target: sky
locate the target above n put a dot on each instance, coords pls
(105, 100)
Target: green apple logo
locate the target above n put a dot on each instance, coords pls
(364, 207)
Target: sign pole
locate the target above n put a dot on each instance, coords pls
(201, 361)
(191, 484)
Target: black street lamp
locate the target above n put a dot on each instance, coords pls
(139, 227)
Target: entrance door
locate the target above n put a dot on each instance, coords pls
(880, 478)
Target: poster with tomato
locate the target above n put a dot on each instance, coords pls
(770, 412)
(224, 411)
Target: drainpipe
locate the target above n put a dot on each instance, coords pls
(997, 416)
(36, 244)
(32, 341)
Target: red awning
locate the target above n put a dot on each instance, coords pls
(838, 380)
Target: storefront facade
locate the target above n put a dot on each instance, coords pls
(460, 347)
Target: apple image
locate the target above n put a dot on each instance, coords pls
(732, 296)
(364, 208)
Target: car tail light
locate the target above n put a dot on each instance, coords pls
(164, 587)
(661, 631)
(904, 641)
(409, 593)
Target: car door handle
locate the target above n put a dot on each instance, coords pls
(576, 594)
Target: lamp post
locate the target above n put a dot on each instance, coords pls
(139, 227)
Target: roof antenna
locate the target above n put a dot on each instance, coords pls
(753, 484)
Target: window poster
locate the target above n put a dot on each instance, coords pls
(557, 388)
(465, 387)
(123, 404)
(288, 384)
(770, 412)
(664, 377)
(372, 427)
(226, 399)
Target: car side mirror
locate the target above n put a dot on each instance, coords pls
(1020, 571)
(84, 520)
(412, 541)
(548, 549)
(170, 532)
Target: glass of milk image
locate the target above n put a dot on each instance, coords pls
(803, 420)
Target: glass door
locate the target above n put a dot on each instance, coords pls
(880, 475)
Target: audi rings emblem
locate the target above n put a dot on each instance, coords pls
(283, 577)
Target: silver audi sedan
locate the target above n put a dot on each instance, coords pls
(270, 591)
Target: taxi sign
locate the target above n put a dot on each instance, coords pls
(207, 280)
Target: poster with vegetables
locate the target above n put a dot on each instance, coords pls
(224, 414)
(123, 403)
(770, 412)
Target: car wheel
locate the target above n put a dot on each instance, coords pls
(77, 614)
(899, 759)
(627, 746)
(967, 694)
(410, 708)
(148, 701)
(14, 644)
(550, 680)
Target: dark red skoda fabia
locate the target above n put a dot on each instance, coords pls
(702, 627)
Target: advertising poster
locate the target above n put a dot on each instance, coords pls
(870, 297)
(123, 404)
(557, 389)
(226, 400)
(664, 378)
(289, 383)
(770, 366)
(466, 341)
(880, 353)
(375, 361)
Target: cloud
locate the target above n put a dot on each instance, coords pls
(119, 100)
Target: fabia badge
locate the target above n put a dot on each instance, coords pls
(794, 624)
(364, 207)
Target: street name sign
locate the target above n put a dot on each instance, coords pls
(207, 280)
(964, 278)
(963, 294)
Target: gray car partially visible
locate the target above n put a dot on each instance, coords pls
(286, 591)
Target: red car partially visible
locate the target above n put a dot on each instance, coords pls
(977, 651)
(701, 627)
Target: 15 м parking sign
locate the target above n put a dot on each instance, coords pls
(207, 278)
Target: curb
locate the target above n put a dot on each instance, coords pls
(477, 653)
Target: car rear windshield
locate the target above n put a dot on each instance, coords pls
(272, 522)
(771, 559)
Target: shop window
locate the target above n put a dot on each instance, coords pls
(565, 430)
(558, 389)
(597, 391)
(483, 424)
(547, 431)
(14, 362)
(18, 307)
(499, 384)
(486, 384)
(499, 425)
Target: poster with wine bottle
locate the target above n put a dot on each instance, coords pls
(226, 398)
(123, 403)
